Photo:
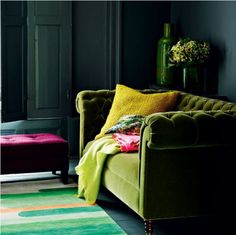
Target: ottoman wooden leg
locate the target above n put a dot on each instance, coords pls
(64, 176)
(64, 171)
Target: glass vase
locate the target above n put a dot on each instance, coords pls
(193, 79)
(165, 74)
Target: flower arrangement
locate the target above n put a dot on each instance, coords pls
(187, 52)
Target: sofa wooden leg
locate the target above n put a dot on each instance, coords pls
(148, 227)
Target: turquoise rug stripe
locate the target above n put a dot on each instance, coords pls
(46, 197)
(59, 211)
(45, 192)
(54, 212)
(84, 226)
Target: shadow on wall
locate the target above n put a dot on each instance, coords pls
(216, 60)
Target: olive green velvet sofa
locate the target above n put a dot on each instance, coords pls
(184, 164)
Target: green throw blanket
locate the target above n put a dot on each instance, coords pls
(90, 167)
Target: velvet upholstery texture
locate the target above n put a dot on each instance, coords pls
(23, 153)
(28, 145)
(184, 166)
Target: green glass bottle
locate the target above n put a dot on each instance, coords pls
(165, 74)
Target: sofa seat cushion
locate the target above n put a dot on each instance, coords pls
(126, 166)
(121, 177)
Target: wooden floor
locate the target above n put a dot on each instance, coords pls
(125, 217)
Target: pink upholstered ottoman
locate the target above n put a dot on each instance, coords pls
(23, 153)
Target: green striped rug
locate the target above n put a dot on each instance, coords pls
(53, 212)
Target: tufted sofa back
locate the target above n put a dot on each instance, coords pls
(94, 107)
(190, 102)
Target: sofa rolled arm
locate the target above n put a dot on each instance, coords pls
(178, 129)
(186, 163)
(93, 107)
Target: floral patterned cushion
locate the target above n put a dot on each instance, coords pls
(127, 124)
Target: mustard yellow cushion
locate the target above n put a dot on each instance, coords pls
(128, 101)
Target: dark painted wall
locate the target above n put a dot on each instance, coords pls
(89, 45)
(142, 28)
(142, 24)
(213, 21)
